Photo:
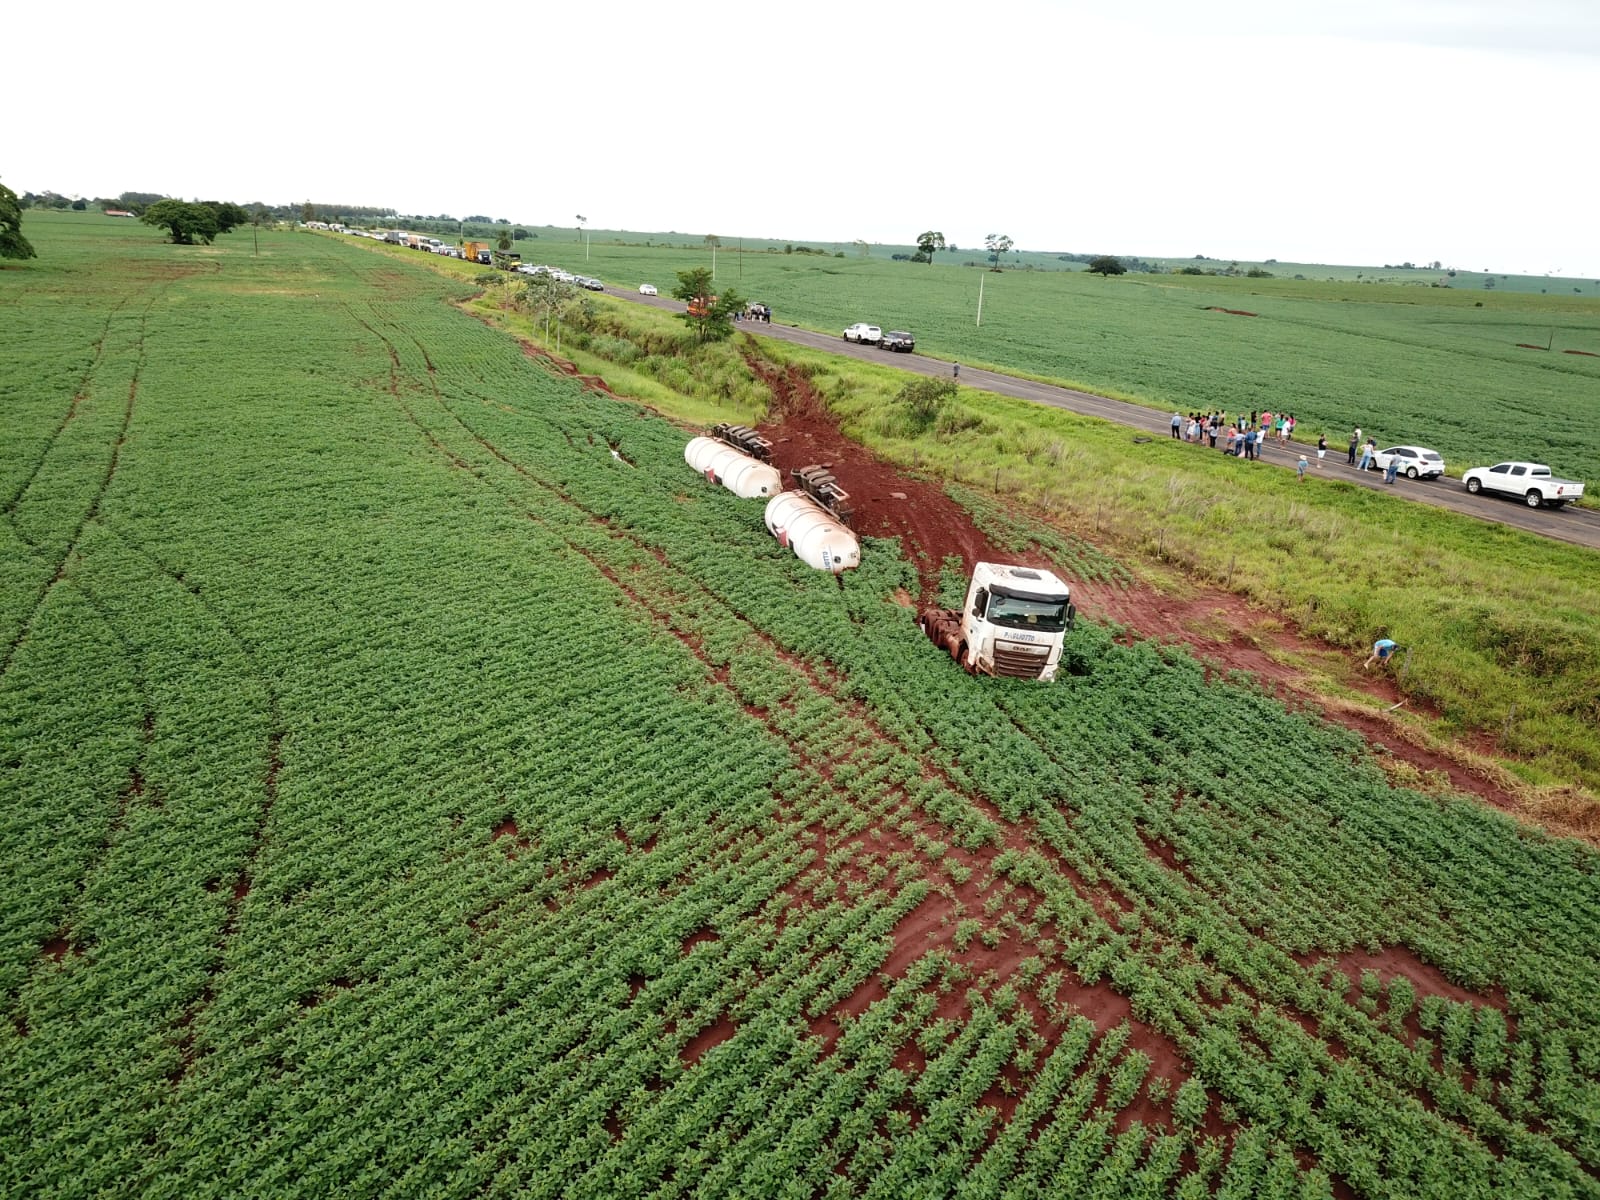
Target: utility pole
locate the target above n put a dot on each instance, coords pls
(980, 301)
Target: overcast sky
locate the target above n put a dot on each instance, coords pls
(1342, 131)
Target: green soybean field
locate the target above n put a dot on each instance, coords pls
(417, 781)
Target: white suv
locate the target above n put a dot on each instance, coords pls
(1415, 462)
(863, 333)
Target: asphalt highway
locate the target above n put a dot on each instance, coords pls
(1579, 526)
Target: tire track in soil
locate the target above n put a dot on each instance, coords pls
(187, 1056)
(93, 511)
(61, 944)
(135, 786)
(27, 482)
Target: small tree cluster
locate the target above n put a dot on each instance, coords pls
(12, 243)
(709, 315)
(923, 401)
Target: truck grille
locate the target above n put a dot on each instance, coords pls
(1020, 660)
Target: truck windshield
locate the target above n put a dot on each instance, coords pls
(1020, 612)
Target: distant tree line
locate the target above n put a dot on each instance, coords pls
(1126, 262)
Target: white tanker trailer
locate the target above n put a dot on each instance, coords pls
(737, 458)
(813, 521)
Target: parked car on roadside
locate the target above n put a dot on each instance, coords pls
(898, 340)
(1531, 481)
(647, 289)
(863, 334)
(1414, 462)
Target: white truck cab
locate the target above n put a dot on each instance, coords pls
(1013, 623)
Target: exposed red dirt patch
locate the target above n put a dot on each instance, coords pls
(711, 1035)
(1232, 312)
(694, 939)
(888, 503)
(1428, 980)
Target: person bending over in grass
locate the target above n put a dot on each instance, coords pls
(1382, 652)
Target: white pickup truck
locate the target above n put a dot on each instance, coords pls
(1532, 481)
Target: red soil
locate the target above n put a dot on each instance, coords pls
(1235, 312)
(711, 1035)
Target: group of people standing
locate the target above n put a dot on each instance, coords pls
(1368, 451)
(1244, 438)
(1241, 437)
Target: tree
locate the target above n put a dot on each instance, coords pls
(924, 400)
(710, 316)
(184, 221)
(137, 202)
(927, 244)
(308, 214)
(229, 215)
(547, 298)
(1106, 264)
(713, 241)
(998, 244)
(12, 243)
(504, 244)
(582, 221)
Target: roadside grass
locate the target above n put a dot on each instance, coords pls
(659, 366)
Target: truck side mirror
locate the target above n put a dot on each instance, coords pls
(980, 601)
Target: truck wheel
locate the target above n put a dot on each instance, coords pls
(961, 657)
(1534, 498)
(1474, 486)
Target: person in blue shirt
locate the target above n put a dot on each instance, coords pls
(1382, 651)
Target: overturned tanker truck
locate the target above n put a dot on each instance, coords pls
(738, 458)
(1014, 622)
(814, 521)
